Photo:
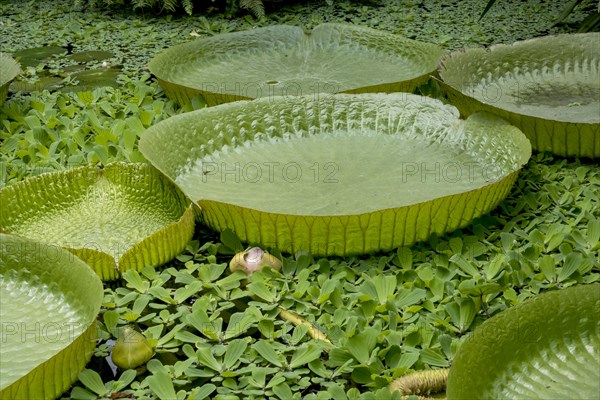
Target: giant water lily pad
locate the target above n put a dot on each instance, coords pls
(9, 69)
(340, 174)
(284, 60)
(117, 218)
(49, 300)
(547, 347)
(548, 87)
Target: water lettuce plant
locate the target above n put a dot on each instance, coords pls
(342, 174)
(544, 348)
(548, 87)
(386, 314)
(284, 60)
(49, 300)
(9, 69)
(116, 218)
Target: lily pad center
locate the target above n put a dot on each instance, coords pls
(329, 174)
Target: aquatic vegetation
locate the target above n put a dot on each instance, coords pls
(299, 173)
(319, 327)
(548, 87)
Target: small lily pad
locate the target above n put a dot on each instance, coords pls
(9, 69)
(32, 57)
(548, 87)
(125, 216)
(94, 78)
(92, 55)
(284, 60)
(44, 83)
(49, 301)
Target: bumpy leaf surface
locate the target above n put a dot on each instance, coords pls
(340, 174)
(49, 300)
(548, 87)
(283, 60)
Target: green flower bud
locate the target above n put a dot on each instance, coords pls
(131, 350)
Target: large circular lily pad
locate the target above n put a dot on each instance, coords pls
(548, 87)
(340, 174)
(284, 60)
(49, 300)
(120, 217)
(9, 69)
(545, 348)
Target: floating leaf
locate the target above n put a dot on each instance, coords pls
(305, 354)
(261, 290)
(265, 349)
(284, 60)
(408, 297)
(90, 55)
(301, 173)
(206, 358)
(433, 358)
(125, 216)
(493, 268)
(362, 344)
(593, 233)
(204, 391)
(162, 386)
(462, 312)
(464, 265)
(33, 56)
(381, 288)
(49, 300)
(407, 360)
(9, 69)
(548, 267)
(571, 264)
(405, 257)
(283, 391)
(547, 87)
(552, 339)
(238, 324)
(92, 380)
(235, 349)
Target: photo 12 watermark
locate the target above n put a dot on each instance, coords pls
(432, 172)
(270, 172)
(41, 332)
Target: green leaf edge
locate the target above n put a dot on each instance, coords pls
(521, 331)
(566, 139)
(154, 250)
(45, 380)
(182, 94)
(9, 69)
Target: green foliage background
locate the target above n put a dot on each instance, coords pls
(218, 336)
(256, 7)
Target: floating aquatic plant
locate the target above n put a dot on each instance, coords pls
(344, 174)
(283, 60)
(548, 87)
(120, 217)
